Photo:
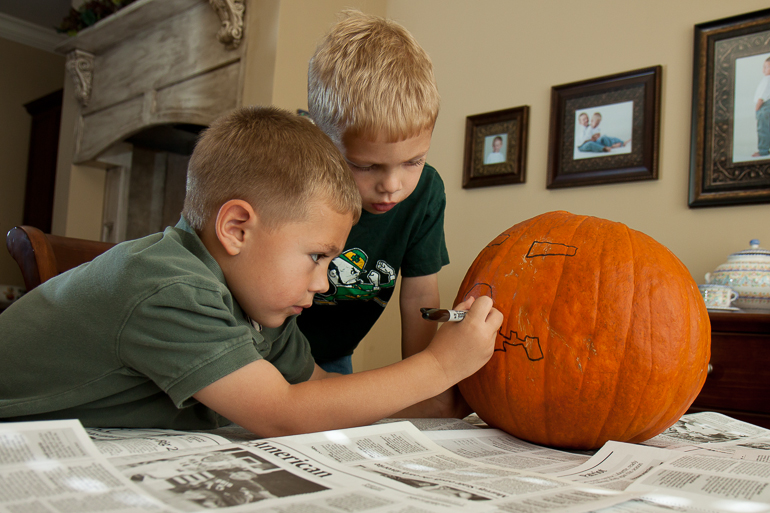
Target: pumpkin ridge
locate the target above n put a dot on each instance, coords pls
(587, 230)
(649, 387)
(617, 401)
(614, 399)
(548, 369)
(647, 307)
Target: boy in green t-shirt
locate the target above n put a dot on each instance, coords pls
(371, 89)
(195, 326)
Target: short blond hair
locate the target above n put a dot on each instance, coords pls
(369, 77)
(279, 162)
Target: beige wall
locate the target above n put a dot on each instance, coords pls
(497, 54)
(28, 74)
(282, 36)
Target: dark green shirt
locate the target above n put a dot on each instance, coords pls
(127, 339)
(409, 238)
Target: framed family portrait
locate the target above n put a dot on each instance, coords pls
(496, 148)
(605, 130)
(730, 140)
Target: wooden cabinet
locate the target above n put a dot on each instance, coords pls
(738, 383)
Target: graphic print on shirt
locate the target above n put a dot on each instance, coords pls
(350, 280)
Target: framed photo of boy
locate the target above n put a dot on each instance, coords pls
(605, 130)
(496, 147)
(730, 139)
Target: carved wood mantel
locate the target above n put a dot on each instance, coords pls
(154, 62)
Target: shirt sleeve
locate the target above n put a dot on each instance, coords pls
(184, 338)
(427, 252)
(290, 351)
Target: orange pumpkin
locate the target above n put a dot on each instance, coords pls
(605, 337)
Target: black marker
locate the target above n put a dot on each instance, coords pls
(442, 315)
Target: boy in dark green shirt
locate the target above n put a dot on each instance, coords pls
(371, 88)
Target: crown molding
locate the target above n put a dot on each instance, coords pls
(29, 34)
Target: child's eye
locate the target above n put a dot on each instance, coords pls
(415, 163)
(361, 168)
(316, 256)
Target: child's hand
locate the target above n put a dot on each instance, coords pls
(462, 348)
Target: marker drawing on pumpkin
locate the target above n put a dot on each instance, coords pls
(499, 239)
(545, 249)
(531, 345)
(478, 290)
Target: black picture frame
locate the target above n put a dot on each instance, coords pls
(631, 102)
(482, 131)
(728, 64)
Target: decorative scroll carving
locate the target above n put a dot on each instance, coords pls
(80, 66)
(231, 14)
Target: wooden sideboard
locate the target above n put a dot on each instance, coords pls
(738, 383)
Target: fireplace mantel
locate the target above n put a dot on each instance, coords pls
(169, 62)
(154, 62)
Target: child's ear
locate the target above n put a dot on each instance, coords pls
(235, 224)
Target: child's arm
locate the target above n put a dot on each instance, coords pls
(258, 398)
(759, 104)
(416, 334)
(417, 292)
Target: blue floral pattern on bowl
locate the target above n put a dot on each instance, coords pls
(748, 273)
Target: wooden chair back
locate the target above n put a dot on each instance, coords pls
(41, 256)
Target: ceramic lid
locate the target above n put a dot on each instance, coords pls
(753, 254)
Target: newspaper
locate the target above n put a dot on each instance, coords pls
(706, 463)
(711, 433)
(495, 447)
(409, 460)
(124, 442)
(263, 475)
(54, 466)
(681, 480)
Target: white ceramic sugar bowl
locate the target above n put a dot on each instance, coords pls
(748, 273)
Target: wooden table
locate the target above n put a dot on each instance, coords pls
(738, 383)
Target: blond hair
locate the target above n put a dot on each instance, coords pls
(369, 77)
(279, 162)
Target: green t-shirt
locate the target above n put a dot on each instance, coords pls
(408, 238)
(127, 339)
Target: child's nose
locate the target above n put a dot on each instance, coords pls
(391, 182)
(320, 282)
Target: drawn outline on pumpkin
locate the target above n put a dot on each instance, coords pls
(528, 343)
(544, 249)
(499, 240)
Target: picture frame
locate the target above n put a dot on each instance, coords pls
(496, 147)
(728, 165)
(627, 106)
